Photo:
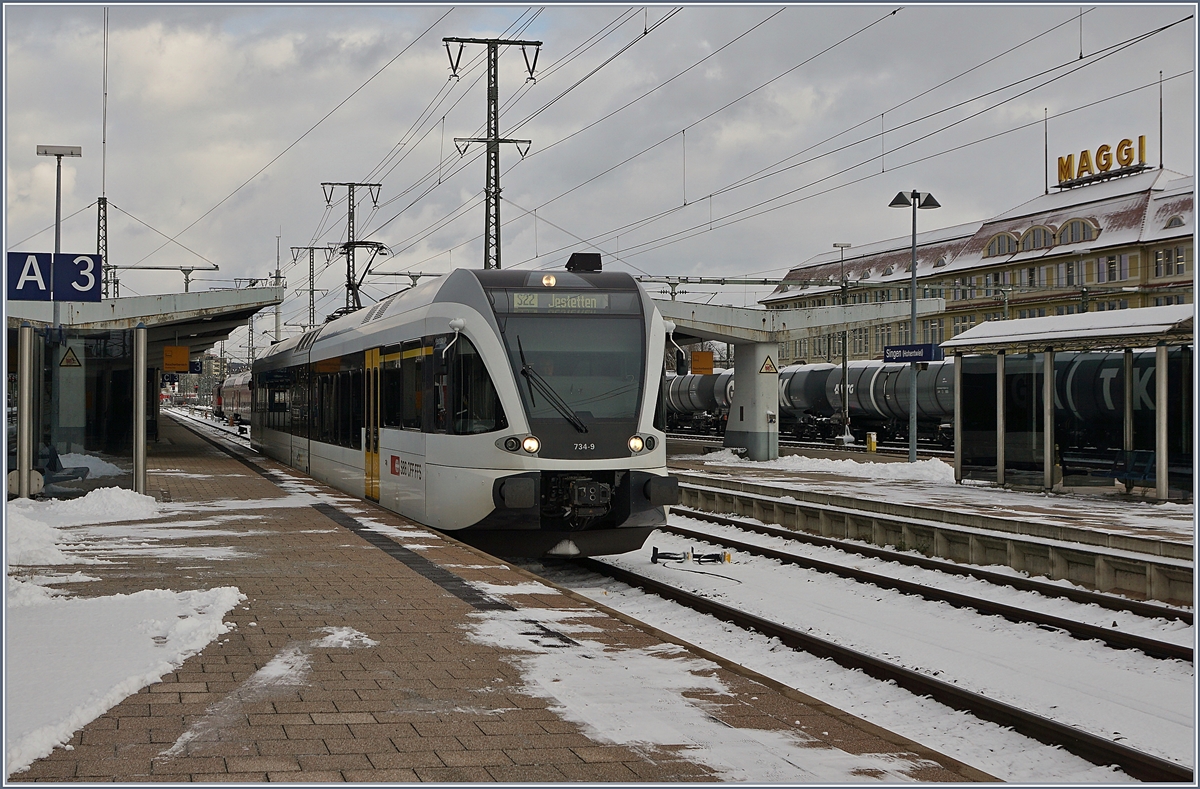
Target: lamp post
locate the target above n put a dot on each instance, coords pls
(847, 436)
(58, 152)
(916, 200)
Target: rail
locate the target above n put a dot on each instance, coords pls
(1098, 750)
(1080, 630)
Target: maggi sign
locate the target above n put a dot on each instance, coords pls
(1069, 170)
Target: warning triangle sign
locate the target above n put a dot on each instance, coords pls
(769, 366)
(70, 359)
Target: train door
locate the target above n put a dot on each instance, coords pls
(371, 437)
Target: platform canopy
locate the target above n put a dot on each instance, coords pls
(1143, 327)
(198, 320)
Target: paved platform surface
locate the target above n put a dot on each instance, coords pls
(409, 696)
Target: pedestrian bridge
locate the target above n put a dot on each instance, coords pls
(756, 335)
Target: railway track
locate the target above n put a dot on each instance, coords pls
(1080, 630)
(1107, 601)
(1096, 749)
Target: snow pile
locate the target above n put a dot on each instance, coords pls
(31, 542)
(117, 645)
(23, 593)
(103, 505)
(96, 467)
(931, 470)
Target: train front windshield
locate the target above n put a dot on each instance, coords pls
(579, 361)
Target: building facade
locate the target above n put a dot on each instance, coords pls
(1103, 244)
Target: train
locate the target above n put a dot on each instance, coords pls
(518, 411)
(1089, 397)
(231, 398)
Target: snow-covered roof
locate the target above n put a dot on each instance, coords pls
(1080, 197)
(1084, 331)
(1127, 210)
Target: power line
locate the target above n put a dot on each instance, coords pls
(302, 136)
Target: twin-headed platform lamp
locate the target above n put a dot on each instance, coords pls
(916, 200)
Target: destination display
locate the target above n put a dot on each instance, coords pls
(561, 301)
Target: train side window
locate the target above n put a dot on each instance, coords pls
(357, 409)
(473, 398)
(391, 392)
(412, 377)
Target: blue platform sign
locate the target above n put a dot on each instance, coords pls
(75, 277)
(913, 353)
(29, 276)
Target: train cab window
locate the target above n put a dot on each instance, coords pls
(412, 374)
(440, 373)
(472, 397)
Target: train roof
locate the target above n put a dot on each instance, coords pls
(464, 286)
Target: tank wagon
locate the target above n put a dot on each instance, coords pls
(1089, 396)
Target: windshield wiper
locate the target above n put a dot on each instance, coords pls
(536, 381)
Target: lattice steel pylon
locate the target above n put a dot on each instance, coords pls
(491, 217)
(353, 302)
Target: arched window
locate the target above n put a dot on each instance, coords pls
(1002, 244)
(1175, 221)
(1037, 238)
(939, 263)
(889, 271)
(1077, 230)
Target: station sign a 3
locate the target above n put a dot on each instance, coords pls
(45, 276)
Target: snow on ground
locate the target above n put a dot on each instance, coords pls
(96, 467)
(994, 749)
(930, 483)
(636, 698)
(1143, 701)
(1169, 630)
(290, 668)
(931, 470)
(70, 659)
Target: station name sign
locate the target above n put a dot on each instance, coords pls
(1071, 169)
(45, 276)
(928, 352)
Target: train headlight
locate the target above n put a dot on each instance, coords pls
(549, 281)
(650, 442)
(512, 443)
(636, 443)
(531, 444)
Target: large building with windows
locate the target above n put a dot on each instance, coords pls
(1120, 242)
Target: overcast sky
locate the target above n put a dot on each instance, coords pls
(223, 121)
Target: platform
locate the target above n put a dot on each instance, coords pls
(440, 684)
(1105, 509)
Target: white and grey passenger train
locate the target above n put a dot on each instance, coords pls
(518, 411)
